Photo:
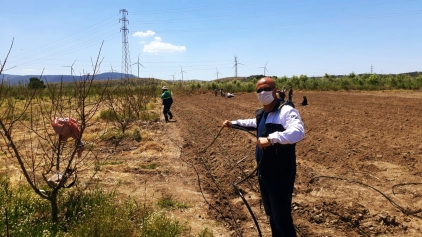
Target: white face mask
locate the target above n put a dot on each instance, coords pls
(265, 97)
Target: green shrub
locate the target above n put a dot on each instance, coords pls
(206, 233)
(85, 213)
(148, 116)
(108, 115)
(158, 225)
(27, 213)
(136, 134)
(168, 202)
(151, 166)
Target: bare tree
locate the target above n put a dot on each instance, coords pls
(119, 101)
(128, 100)
(49, 161)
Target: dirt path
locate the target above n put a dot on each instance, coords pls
(156, 170)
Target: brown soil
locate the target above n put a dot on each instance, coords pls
(363, 143)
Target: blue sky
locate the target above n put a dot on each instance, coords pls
(288, 37)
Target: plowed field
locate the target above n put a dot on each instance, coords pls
(358, 168)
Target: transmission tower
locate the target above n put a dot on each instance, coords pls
(126, 66)
(372, 68)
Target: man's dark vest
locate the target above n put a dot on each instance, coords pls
(278, 159)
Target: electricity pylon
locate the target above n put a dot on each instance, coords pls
(126, 66)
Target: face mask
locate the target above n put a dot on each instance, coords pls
(265, 97)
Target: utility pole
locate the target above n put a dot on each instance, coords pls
(126, 66)
(372, 68)
(138, 65)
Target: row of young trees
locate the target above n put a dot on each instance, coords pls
(303, 82)
(47, 159)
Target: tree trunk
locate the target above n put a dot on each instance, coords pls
(54, 207)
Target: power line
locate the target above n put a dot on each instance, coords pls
(241, 5)
(278, 24)
(67, 39)
(65, 51)
(233, 16)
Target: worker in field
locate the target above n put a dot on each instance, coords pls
(279, 127)
(305, 101)
(281, 95)
(229, 95)
(215, 92)
(282, 98)
(167, 102)
(291, 93)
(222, 93)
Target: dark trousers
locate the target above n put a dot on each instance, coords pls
(276, 195)
(166, 111)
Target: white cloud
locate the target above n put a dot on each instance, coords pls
(144, 34)
(142, 42)
(157, 46)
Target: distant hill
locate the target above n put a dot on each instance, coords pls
(115, 75)
(58, 78)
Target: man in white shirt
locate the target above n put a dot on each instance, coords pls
(279, 127)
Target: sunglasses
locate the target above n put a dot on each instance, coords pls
(264, 89)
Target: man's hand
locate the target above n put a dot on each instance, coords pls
(263, 142)
(227, 124)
